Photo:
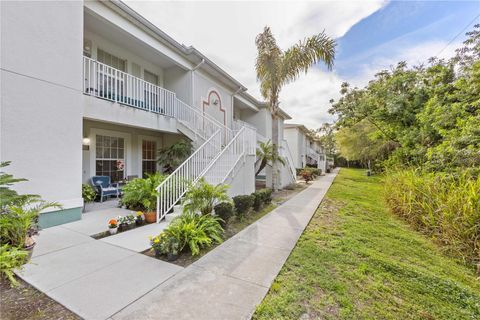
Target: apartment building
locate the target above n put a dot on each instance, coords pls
(304, 149)
(93, 88)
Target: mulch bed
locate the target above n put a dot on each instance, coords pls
(24, 302)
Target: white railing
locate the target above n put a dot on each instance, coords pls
(286, 153)
(201, 123)
(176, 184)
(226, 162)
(250, 135)
(103, 81)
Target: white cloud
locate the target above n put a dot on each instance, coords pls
(225, 32)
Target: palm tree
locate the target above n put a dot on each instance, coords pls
(267, 155)
(276, 68)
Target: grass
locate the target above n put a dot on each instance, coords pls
(356, 260)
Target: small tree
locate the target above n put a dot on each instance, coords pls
(204, 196)
(267, 155)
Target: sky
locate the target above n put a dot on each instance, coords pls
(370, 35)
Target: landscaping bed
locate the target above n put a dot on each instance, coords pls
(25, 302)
(235, 224)
(357, 260)
(232, 228)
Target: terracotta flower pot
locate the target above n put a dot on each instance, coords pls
(150, 217)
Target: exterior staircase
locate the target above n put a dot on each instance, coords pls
(220, 152)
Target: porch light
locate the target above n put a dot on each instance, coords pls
(86, 141)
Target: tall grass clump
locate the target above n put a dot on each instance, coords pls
(444, 206)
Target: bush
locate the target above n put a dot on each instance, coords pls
(445, 206)
(192, 230)
(203, 196)
(266, 195)
(316, 172)
(141, 194)
(306, 175)
(257, 201)
(11, 258)
(243, 204)
(18, 223)
(88, 193)
(225, 211)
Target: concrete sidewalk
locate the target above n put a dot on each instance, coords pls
(231, 280)
(101, 280)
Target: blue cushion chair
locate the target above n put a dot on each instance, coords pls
(105, 187)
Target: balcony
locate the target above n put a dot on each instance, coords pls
(105, 82)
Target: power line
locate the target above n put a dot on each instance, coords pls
(458, 34)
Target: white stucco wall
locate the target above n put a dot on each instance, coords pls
(180, 82)
(41, 98)
(244, 180)
(203, 85)
(293, 139)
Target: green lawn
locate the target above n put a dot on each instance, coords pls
(356, 260)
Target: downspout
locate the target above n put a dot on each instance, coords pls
(232, 102)
(192, 80)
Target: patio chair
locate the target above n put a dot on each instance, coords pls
(105, 187)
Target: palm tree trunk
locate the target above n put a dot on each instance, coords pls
(275, 143)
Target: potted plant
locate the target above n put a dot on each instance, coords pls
(139, 219)
(158, 244)
(141, 194)
(131, 221)
(112, 226)
(88, 195)
(122, 223)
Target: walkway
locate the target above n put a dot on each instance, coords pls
(98, 280)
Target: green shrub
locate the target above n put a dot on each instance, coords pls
(257, 201)
(88, 193)
(316, 172)
(11, 258)
(225, 211)
(266, 195)
(141, 194)
(18, 223)
(445, 206)
(192, 231)
(243, 204)
(203, 196)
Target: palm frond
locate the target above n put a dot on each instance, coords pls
(301, 56)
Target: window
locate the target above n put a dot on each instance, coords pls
(150, 77)
(149, 163)
(111, 60)
(110, 157)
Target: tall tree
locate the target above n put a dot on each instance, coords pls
(276, 68)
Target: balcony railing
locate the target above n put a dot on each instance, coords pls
(103, 81)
